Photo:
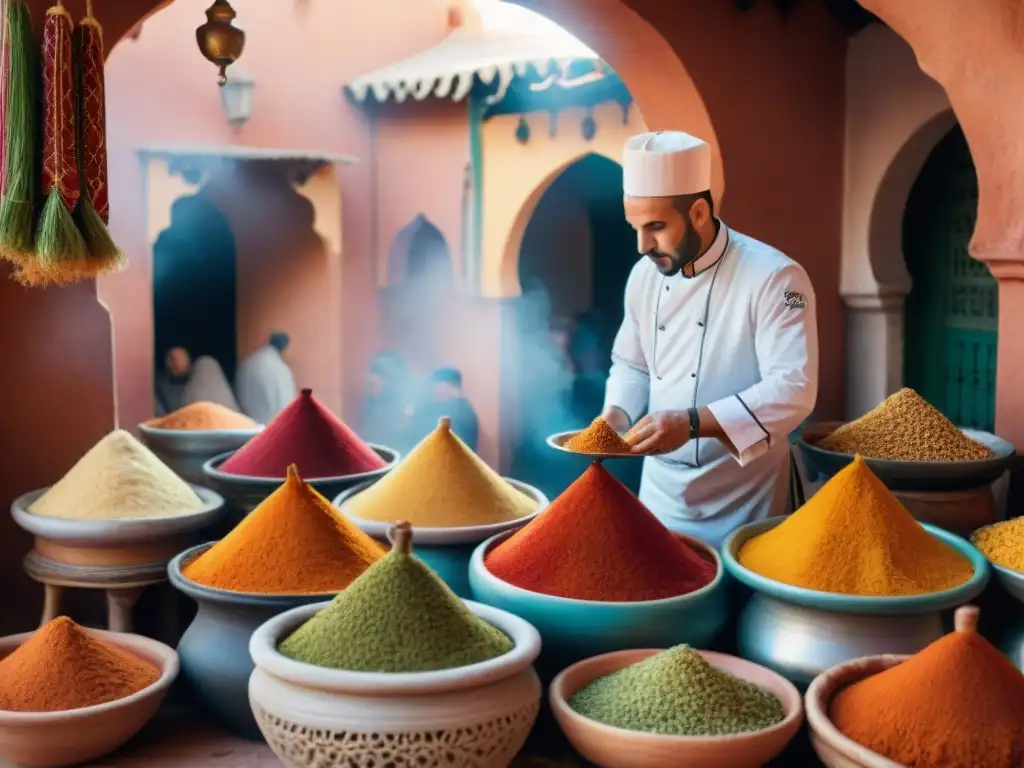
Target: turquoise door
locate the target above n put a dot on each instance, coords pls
(952, 313)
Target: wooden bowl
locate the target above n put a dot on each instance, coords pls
(833, 748)
(49, 739)
(611, 747)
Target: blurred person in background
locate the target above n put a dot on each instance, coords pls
(445, 397)
(388, 405)
(265, 383)
(171, 380)
(208, 384)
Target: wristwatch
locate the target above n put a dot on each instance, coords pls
(694, 415)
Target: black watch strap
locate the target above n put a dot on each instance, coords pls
(694, 415)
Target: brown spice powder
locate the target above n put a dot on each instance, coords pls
(599, 437)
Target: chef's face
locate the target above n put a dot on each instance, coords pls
(666, 232)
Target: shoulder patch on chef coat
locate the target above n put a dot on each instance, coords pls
(794, 300)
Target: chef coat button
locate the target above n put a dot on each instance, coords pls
(661, 327)
(693, 375)
(659, 378)
(700, 324)
(666, 287)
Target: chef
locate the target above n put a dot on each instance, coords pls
(718, 347)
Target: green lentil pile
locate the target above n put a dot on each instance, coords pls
(396, 617)
(677, 693)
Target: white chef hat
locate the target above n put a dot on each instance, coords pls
(665, 164)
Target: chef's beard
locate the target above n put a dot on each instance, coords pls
(686, 252)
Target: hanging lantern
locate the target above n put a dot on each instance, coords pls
(218, 40)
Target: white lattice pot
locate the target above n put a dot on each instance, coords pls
(477, 716)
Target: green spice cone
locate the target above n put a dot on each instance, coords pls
(19, 135)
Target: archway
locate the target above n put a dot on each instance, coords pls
(195, 286)
(572, 264)
(952, 313)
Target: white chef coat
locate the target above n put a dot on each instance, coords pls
(740, 338)
(265, 384)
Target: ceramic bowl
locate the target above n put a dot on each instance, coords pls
(186, 450)
(477, 715)
(610, 747)
(575, 629)
(214, 651)
(81, 735)
(246, 493)
(833, 748)
(446, 550)
(909, 475)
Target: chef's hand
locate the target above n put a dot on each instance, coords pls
(616, 419)
(660, 432)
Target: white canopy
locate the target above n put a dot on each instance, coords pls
(498, 42)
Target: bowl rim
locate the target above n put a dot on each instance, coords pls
(794, 712)
(211, 468)
(160, 655)
(858, 604)
(1001, 447)
(194, 589)
(439, 535)
(265, 656)
(476, 565)
(68, 529)
(823, 688)
(164, 432)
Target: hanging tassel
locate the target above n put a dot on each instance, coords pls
(61, 254)
(93, 211)
(19, 124)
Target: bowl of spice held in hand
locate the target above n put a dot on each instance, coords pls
(190, 436)
(596, 572)
(662, 709)
(330, 456)
(119, 504)
(69, 695)
(294, 549)
(452, 499)
(396, 670)
(910, 445)
(849, 574)
(958, 703)
(599, 441)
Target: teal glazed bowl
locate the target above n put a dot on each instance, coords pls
(572, 630)
(901, 605)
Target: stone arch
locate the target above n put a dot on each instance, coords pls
(509, 272)
(419, 250)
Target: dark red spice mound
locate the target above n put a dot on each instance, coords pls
(307, 434)
(598, 542)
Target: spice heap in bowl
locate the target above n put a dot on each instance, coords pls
(651, 709)
(192, 435)
(599, 437)
(294, 549)
(855, 565)
(119, 498)
(958, 703)
(69, 694)
(327, 452)
(399, 665)
(452, 498)
(597, 571)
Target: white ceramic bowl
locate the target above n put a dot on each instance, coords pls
(833, 748)
(115, 533)
(477, 715)
(612, 747)
(47, 739)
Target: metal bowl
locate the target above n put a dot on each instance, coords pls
(909, 475)
(559, 439)
(185, 451)
(901, 605)
(114, 533)
(248, 492)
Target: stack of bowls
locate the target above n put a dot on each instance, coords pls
(575, 629)
(80, 735)
(447, 550)
(186, 451)
(475, 715)
(246, 493)
(802, 632)
(214, 651)
(611, 747)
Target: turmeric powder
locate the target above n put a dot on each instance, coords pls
(203, 416)
(599, 437)
(1002, 543)
(294, 543)
(853, 537)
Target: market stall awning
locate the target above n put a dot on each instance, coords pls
(234, 152)
(497, 42)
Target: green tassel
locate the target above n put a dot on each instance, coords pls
(61, 253)
(20, 135)
(104, 255)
